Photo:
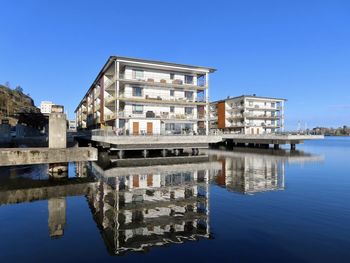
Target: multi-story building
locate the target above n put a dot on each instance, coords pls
(45, 107)
(137, 96)
(248, 114)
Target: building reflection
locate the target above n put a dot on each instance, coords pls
(139, 211)
(252, 171)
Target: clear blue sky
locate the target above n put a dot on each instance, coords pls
(299, 50)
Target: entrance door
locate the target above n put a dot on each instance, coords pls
(252, 130)
(257, 131)
(149, 128)
(135, 128)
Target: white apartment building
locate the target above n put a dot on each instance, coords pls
(45, 107)
(248, 115)
(137, 96)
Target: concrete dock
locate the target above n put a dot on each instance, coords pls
(25, 156)
(149, 142)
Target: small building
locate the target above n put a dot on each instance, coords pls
(46, 106)
(138, 96)
(248, 114)
(72, 125)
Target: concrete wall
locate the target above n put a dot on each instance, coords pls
(25, 131)
(57, 130)
(5, 133)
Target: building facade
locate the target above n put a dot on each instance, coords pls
(248, 115)
(137, 96)
(45, 107)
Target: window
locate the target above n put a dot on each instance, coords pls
(137, 91)
(172, 93)
(273, 104)
(138, 74)
(172, 109)
(188, 79)
(188, 110)
(189, 95)
(172, 76)
(138, 109)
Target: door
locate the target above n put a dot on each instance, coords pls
(149, 128)
(252, 130)
(135, 128)
(258, 131)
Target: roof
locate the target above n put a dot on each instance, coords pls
(249, 96)
(111, 59)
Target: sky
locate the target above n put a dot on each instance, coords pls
(298, 50)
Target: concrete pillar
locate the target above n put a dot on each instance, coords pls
(145, 153)
(57, 216)
(164, 152)
(121, 154)
(116, 104)
(207, 114)
(57, 128)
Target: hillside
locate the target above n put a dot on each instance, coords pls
(13, 102)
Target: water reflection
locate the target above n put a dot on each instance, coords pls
(136, 212)
(137, 208)
(250, 171)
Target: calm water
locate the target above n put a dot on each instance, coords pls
(238, 206)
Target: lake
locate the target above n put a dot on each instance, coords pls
(241, 205)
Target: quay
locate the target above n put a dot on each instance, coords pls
(176, 144)
(25, 156)
(264, 140)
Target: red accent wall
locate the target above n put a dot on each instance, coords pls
(221, 115)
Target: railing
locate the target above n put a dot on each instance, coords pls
(151, 99)
(130, 114)
(123, 132)
(159, 80)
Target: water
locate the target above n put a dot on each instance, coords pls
(239, 206)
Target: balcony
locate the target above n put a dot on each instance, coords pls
(262, 116)
(159, 100)
(154, 80)
(161, 116)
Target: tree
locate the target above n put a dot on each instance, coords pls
(19, 89)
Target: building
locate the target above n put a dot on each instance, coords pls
(72, 125)
(248, 115)
(137, 96)
(45, 107)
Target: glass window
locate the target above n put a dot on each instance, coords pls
(137, 91)
(172, 93)
(137, 108)
(172, 109)
(188, 110)
(172, 75)
(138, 74)
(189, 94)
(273, 104)
(188, 79)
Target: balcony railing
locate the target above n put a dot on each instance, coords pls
(156, 99)
(155, 79)
(163, 115)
